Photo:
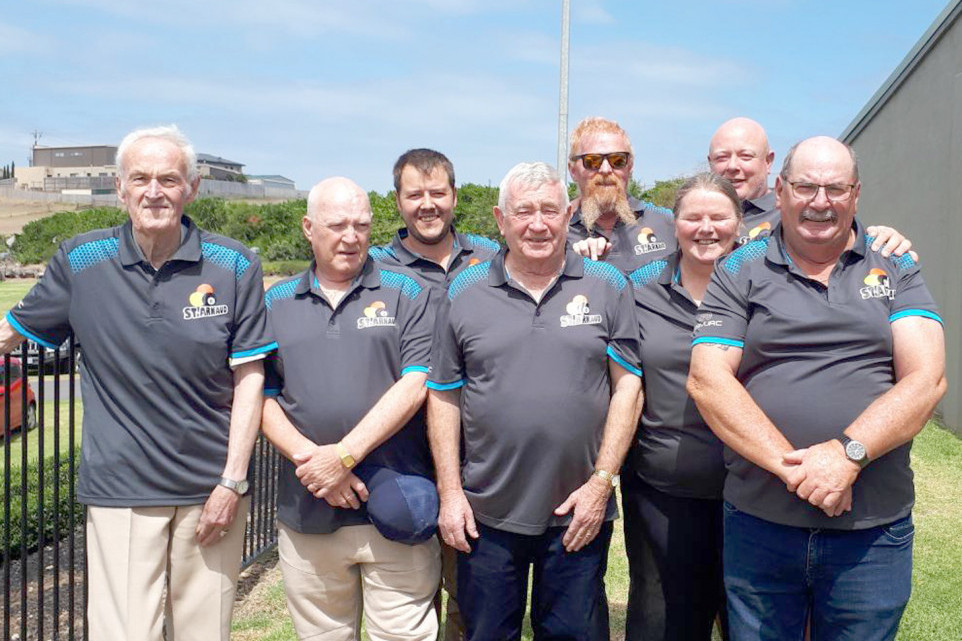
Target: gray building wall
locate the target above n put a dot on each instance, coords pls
(98, 155)
(910, 160)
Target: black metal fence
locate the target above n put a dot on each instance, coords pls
(42, 532)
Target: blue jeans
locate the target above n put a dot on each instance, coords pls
(854, 584)
(568, 595)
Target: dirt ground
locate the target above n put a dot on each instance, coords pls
(15, 214)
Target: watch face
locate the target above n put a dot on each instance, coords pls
(242, 486)
(855, 451)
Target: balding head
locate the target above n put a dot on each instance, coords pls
(817, 151)
(336, 191)
(338, 227)
(739, 151)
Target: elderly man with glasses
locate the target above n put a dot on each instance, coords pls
(817, 361)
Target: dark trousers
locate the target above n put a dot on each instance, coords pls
(674, 547)
(568, 600)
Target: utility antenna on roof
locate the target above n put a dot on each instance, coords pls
(36, 137)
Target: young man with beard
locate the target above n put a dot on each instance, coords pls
(428, 243)
(600, 161)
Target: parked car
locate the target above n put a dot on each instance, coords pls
(33, 357)
(14, 391)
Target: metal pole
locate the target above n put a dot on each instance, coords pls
(563, 98)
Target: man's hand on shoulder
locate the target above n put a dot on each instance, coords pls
(217, 516)
(320, 470)
(589, 503)
(890, 242)
(593, 248)
(456, 518)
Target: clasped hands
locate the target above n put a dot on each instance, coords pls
(320, 471)
(822, 475)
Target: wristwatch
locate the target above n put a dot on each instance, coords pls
(240, 487)
(854, 450)
(346, 459)
(611, 479)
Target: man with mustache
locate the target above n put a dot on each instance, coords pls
(601, 161)
(817, 361)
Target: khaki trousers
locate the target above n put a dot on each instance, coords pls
(330, 579)
(137, 555)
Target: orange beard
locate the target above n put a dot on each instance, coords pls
(605, 198)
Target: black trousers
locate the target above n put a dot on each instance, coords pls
(674, 547)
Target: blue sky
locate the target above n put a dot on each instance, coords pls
(310, 89)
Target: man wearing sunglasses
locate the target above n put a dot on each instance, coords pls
(601, 161)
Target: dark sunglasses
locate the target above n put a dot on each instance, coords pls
(593, 162)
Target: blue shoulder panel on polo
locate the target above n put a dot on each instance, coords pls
(604, 272)
(280, 291)
(381, 252)
(407, 285)
(468, 277)
(481, 242)
(225, 257)
(657, 209)
(747, 253)
(647, 273)
(91, 253)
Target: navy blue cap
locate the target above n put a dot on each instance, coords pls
(403, 507)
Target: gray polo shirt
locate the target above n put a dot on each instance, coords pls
(469, 249)
(674, 450)
(333, 365)
(158, 344)
(759, 217)
(651, 236)
(534, 383)
(814, 358)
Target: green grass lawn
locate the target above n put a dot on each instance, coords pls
(933, 613)
(12, 290)
(15, 442)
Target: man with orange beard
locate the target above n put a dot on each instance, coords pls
(600, 162)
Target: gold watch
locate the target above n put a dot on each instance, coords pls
(346, 459)
(608, 477)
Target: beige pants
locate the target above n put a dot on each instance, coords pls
(331, 578)
(135, 554)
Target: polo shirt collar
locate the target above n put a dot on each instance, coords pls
(574, 267)
(369, 278)
(760, 204)
(189, 250)
(408, 258)
(778, 254)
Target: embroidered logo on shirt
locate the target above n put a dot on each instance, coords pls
(203, 304)
(648, 242)
(878, 285)
(579, 313)
(705, 320)
(758, 231)
(375, 315)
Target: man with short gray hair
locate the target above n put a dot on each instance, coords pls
(535, 361)
(173, 328)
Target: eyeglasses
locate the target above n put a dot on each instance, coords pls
(593, 162)
(808, 191)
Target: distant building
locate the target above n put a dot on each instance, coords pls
(909, 142)
(89, 169)
(275, 181)
(218, 168)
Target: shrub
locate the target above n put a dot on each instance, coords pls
(55, 509)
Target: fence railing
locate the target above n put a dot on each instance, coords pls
(43, 573)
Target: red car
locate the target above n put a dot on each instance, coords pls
(17, 381)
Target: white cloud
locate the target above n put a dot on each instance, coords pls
(15, 40)
(592, 13)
